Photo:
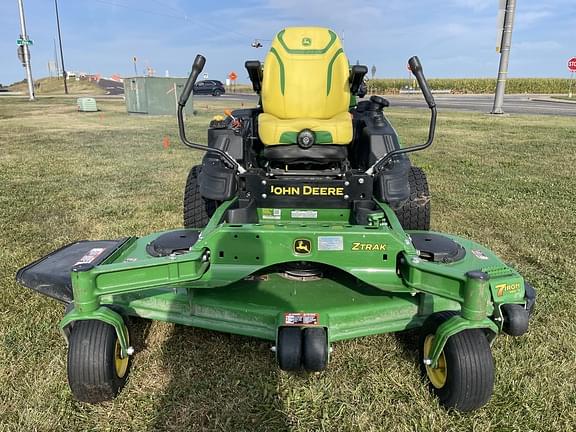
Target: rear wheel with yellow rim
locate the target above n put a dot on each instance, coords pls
(463, 378)
(97, 371)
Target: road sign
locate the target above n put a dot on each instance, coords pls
(572, 64)
(21, 42)
(233, 76)
(21, 55)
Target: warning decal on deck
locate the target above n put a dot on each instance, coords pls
(330, 243)
(269, 213)
(304, 214)
(300, 318)
(479, 254)
(90, 256)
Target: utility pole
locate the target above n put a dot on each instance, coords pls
(60, 42)
(26, 50)
(504, 56)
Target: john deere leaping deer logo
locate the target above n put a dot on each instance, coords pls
(302, 246)
(306, 41)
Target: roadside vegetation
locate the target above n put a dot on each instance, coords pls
(55, 86)
(477, 85)
(507, 182)
(463, 85)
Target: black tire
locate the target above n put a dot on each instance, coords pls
(515, 319)
(93, 349)
(289, 348)
(216, 93)
(197, 210)
(468, 366)
(314, 349)
(530, 297)
(414, 214)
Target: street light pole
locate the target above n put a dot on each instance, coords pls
(26, 50)
(504, 57)
(61, 51)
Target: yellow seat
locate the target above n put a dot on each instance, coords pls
(305, 86)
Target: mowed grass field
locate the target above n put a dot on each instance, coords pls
(507, 182)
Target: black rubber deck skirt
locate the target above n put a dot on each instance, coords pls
(50, 275)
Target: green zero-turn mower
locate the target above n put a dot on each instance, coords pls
(306, 224)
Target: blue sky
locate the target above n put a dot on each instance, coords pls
(454, 38)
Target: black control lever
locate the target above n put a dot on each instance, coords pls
(197, 67)
(416, 68)
(357, 74)
(254, 68)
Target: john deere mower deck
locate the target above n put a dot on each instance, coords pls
(305, 224)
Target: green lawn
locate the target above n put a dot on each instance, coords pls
(507, 182)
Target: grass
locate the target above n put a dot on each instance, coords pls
(55, 86)
(565, 98)
(506, 182)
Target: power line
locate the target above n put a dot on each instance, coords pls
(180, 15)
(220, 28)
(179, 11)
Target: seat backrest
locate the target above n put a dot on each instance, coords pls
(306, 75)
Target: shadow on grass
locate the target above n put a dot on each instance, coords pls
(408, 341)
(139, 330)
(218, 382)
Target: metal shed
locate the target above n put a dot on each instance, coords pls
(154, 95)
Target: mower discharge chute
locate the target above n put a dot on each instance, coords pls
(306, 224)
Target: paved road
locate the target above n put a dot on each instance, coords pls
(112, 88)
(513, 104)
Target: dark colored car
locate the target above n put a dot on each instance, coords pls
(211, 87)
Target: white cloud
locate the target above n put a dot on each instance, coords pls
(540, 46)
(529, 17)
(476, 5)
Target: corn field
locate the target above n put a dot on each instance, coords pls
(475, 85)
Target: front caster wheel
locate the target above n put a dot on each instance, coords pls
(289, 348)
(315, 349)
(96, 370)
(515, 319)
(464, 376)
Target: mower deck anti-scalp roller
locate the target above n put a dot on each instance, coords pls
(305, 224)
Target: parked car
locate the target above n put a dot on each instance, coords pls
(212, 87)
